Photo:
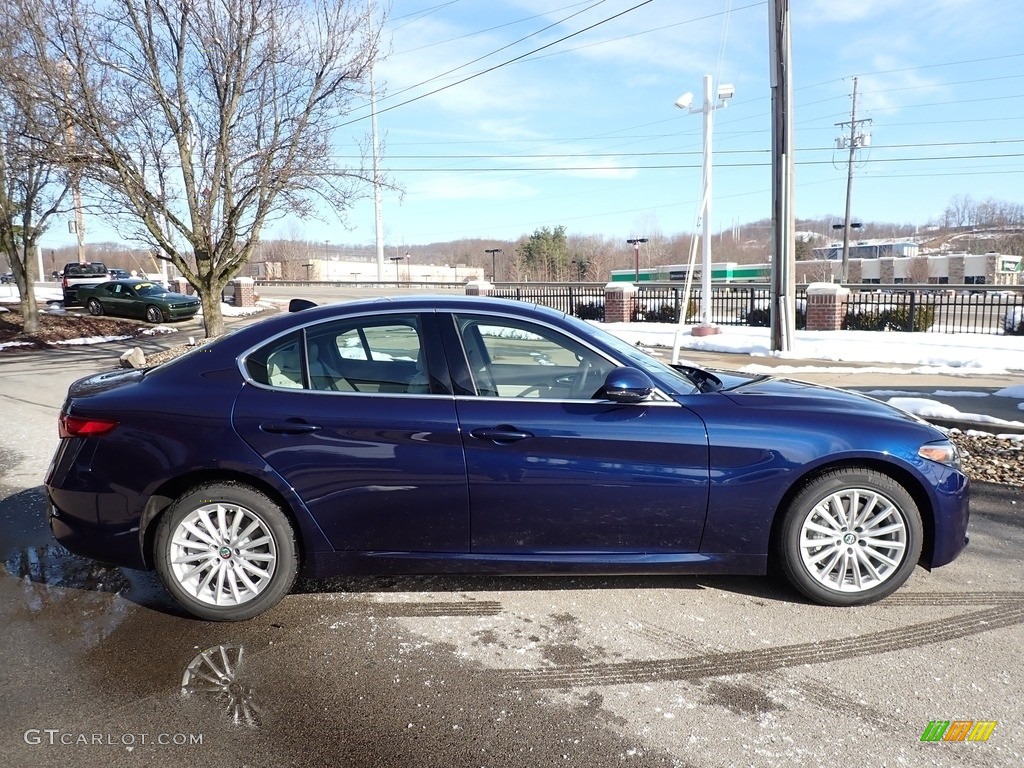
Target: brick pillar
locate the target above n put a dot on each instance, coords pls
(181, 285)
(245, 292)
(826, 306)
(619, 301)
(478, 288)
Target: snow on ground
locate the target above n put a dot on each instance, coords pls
(965, 353)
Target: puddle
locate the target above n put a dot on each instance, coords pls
(218, 674)
(50, 565)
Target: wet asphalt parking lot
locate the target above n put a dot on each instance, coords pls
(101, 670)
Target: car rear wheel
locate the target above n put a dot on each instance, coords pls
(94, 307)
(850, 537)
(154, 314)
(226, 552)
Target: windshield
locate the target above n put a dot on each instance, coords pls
(149, 289)
(678, 381)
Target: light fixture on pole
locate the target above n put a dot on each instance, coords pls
(492, 251)
(635, 242)
(398, 260)
(725, 92)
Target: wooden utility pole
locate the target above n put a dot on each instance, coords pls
(855, 142)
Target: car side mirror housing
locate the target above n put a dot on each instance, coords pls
(627, 385)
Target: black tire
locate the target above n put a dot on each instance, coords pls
(94, 307)
(820, 565)
(154, 314)
(232, 582)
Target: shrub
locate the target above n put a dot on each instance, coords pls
(889, 319)
(665, 313)
(762, 318)
(1013, 321)
(590, 310)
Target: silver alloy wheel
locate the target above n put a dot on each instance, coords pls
(223, 554)
(853, 540)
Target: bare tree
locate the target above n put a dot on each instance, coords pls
(33, 184)
(199, 121)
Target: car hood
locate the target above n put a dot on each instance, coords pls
(176, 298)
(773, 392)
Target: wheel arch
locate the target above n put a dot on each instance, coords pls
(174, 488)
(908, 480)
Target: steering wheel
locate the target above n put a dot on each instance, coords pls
(579, 385)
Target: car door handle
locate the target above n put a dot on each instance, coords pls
(501, 434)
(290, 428)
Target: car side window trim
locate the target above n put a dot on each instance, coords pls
(430, 351)
(463, 366)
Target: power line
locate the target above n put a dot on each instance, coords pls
(502, 64)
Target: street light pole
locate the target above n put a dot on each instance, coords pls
(492, 251)
(635, 242)
(725, 92)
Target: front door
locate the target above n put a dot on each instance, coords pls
(553, 470)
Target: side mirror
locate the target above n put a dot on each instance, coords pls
(627, 385)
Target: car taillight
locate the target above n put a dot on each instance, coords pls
(75, 426)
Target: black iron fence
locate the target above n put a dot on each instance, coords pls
(957, 309)
(584, 300)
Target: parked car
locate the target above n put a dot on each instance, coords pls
(7, 277)
(466, 434)
(120, 274)
(77, 275)
(137, 298)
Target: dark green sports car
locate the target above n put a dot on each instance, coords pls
(137, 298)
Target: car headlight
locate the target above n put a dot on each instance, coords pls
(942, 451)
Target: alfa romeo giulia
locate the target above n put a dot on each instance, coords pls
(463, 434)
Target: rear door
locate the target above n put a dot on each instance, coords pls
(357, 416)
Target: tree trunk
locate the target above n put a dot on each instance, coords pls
(25, 277)
(213, 318)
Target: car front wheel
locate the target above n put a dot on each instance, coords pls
(94, 307)
(850, 537)
(226, 552)
(154, 314)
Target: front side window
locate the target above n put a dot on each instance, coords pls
(513, 358)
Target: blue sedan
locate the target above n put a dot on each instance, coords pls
(472, 435)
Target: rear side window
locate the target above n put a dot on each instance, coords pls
(278, 364)
(368, 355)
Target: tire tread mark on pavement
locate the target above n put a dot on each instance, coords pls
(1009, 613)
(401, 610)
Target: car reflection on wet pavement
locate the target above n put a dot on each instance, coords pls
(217, 673)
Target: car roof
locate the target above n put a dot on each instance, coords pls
(432, 302)
(282, 323)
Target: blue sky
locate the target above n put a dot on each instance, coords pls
(583, 133)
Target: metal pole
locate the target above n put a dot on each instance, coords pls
(705, 222)
(378, 215)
